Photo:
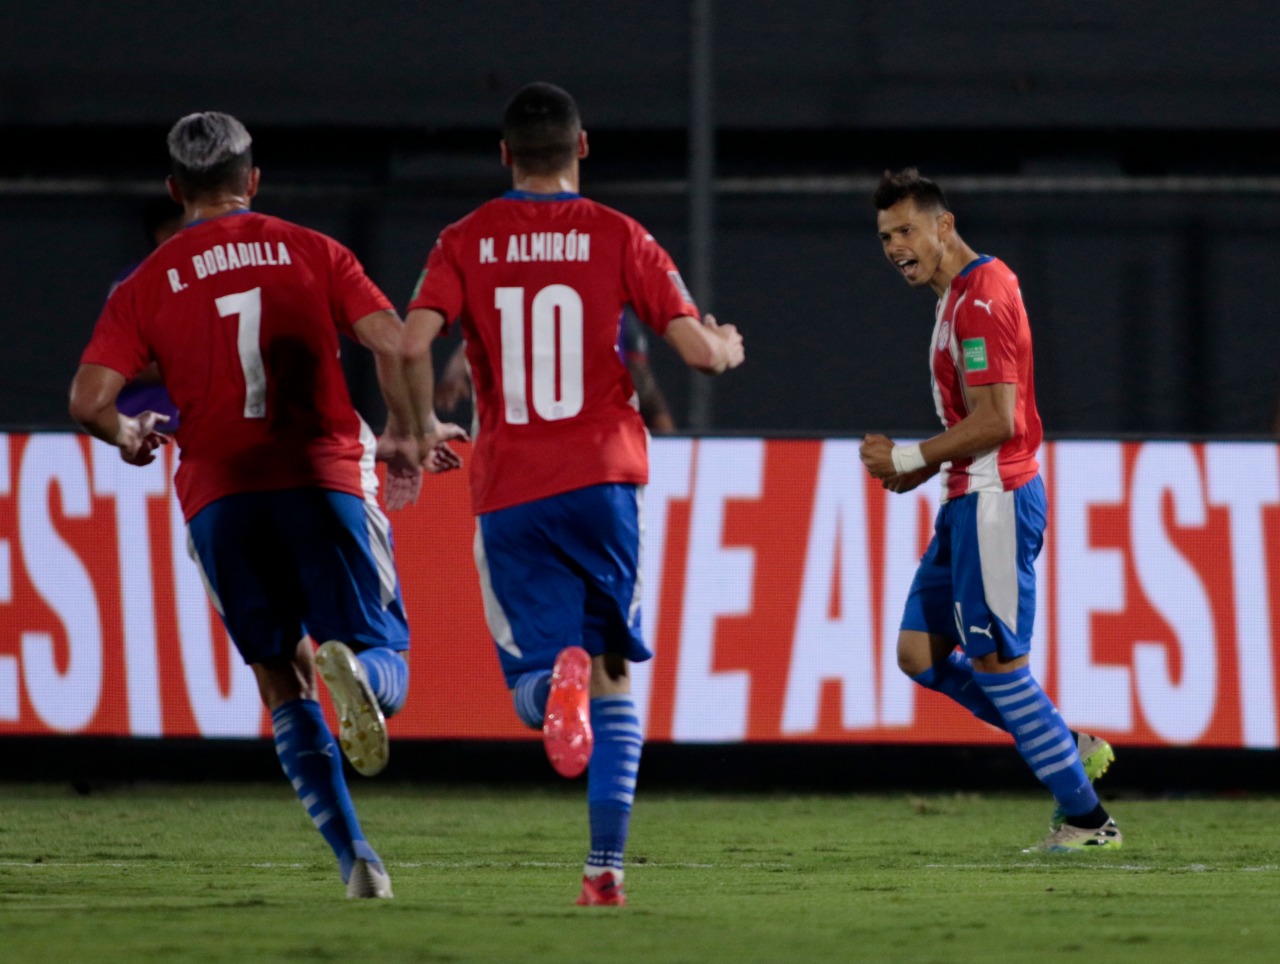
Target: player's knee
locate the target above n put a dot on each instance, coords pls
(996, 663)
(283, 679)
(910, 665)
(914, 653)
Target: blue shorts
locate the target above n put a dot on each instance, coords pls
(284, 564)
(977, 580)
(562, 571)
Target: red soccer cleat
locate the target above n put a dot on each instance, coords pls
(602, 891)
(566, 725)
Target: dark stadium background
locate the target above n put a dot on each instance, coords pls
(1121, 157)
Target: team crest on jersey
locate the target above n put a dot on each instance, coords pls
(944, 335)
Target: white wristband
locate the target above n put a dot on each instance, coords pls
(907, 458)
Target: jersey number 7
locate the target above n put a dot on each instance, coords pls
(556, 369)
(247, 308)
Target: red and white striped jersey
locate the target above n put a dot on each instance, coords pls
(982, 337)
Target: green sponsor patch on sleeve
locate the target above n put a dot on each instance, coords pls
(975, 354)
(418, 287)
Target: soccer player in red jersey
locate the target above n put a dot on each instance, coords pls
(539, 278)
(242, 313)
(975, 587)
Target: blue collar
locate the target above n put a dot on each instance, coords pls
(204, 220)
(975, 263)
(531, 196)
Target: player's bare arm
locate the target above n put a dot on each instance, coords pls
(398, 374)
(653, 404)
(906, 481)
(420, 330)
(709, 347)
(93, 404)
(380, 333)
(990, 422)
(454, 383)
(401, 445)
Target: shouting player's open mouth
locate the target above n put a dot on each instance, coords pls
(909, 267)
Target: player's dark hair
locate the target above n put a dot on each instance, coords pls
(898, 186)
(541, 126)
(209, 152)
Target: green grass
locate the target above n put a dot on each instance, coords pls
(235, 873)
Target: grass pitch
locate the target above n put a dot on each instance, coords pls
(236, 873)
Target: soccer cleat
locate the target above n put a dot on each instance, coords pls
(1097, 756)
(1068, 839)
(566, 725)
(362, 729)
(604, 890)
(368, 879)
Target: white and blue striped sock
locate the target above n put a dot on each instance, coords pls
(388, 673)
(1042, 737)
(530, 697)
(611, 780)
(311, 760)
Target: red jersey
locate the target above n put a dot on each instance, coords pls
(982, 337)
(242, 313)
(539, 282)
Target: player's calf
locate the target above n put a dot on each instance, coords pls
(310, 761)
(611, 789)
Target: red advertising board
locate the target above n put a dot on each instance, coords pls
(775, 573)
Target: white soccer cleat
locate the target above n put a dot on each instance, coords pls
(1068, 839)
(368, 880)
(362, 729)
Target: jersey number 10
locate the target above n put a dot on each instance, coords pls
(555, 372)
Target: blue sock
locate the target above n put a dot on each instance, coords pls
(611, 779)
(388, 673)
(311, 761)
(530, 696)
(1042, 737)
(954, 678)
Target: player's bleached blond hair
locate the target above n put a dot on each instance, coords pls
(208, 151)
